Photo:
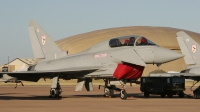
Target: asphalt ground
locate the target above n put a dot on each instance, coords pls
(35, 99)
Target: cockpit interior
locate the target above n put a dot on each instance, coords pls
(130, 41)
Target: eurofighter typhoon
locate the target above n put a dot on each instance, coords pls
(120, 59)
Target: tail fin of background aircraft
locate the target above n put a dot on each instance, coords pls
(42, 44)
(189, 47)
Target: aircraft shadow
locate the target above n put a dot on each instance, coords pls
(8, 93)
(131, 96)
(28, 98)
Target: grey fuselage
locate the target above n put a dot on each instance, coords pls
(106, 58)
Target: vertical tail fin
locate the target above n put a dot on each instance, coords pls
(42, 44)
(189, 47)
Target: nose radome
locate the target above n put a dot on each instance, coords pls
(163, 55)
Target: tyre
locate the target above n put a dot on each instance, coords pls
(54, 92)
(123, 95)
(108, 92)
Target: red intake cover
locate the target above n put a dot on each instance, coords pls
(128, 71)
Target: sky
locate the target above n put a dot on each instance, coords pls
(64, 18)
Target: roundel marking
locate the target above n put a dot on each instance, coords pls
(194, 48)
(43, 40)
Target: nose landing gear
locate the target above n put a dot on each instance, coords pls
(109, 89)
(123, 93)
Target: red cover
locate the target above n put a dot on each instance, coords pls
(128, 71)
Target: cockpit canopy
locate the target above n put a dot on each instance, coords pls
(130, 41)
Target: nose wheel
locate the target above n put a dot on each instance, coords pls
(123, 95)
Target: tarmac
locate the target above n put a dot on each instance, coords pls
(35, 99)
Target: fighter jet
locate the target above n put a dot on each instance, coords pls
(118, 59)
(191, 49)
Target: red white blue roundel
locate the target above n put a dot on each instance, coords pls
(43, 39)
(194, 48)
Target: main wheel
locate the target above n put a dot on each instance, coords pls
(108, 92)
(54, 92)
(123, 95)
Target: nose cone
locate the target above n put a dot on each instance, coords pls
(163, 55)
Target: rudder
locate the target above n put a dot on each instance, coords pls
(42, 44)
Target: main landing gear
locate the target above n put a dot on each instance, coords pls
(55, 90)
(109, 89)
